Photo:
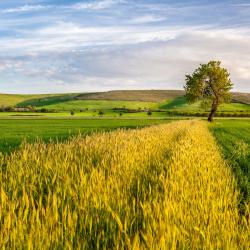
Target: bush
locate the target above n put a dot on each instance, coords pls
(149, 113)
(44, 110)
(9, 109)
(100, 113)
(72, 112)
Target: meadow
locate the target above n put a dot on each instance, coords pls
(161, 187)
(18, 129)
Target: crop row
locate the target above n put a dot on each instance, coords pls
(162, 187)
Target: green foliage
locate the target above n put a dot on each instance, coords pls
(210, 82)
(100, 113)
(44, 110)
(72, 112)
(149, 113)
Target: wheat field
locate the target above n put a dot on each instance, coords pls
(160, 187)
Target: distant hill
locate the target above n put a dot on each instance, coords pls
(164, 99)
(149, 95)
(241, 97)
(133, 95)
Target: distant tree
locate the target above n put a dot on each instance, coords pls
(9, 109)
(44, 110)
(149, 113)
(211, 84)
(72, 112)
(100, 113)
(120, 114)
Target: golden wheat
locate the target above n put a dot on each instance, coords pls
(162, 187)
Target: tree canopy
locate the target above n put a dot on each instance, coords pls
(210, 83)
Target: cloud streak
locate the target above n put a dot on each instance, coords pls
(26, 8)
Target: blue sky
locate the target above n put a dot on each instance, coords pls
(57, 46)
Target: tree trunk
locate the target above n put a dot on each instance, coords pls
(213, 111)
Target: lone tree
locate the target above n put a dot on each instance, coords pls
(211, 84)
(149, 113)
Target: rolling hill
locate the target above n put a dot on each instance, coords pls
(131, 99)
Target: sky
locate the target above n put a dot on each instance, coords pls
(56, 46)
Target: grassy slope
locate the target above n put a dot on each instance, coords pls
(134, 95)
(181, 104)
(163, 99)
(234, 138)
(15, 131)
(154, 99)
(101, 104)
(26, 100)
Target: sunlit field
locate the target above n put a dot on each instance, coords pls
(161, 187)
(14, 131)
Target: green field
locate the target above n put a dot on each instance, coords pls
(233, 136)
(14, 131)
(100, 105)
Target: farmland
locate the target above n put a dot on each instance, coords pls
(124, 125)
(14, 131)
(123, 179)
(160, 187)
(234, 138)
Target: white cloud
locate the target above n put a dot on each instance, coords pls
(25, 8)
(68, 36)
(152, 64)
(147, 19)
(96, 5)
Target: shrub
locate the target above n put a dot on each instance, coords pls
(149, 113)
(44, 110)
(100, 113)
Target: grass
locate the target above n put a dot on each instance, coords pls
(22, 100)
(41, 100)
(14, 131)
(134, 95)
(234, 137)
(100, 105)
(162, 187)
(180, 104)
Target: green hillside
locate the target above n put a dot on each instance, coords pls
(100, 104)
(130, 99)
(133, 95)
(37, 100)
